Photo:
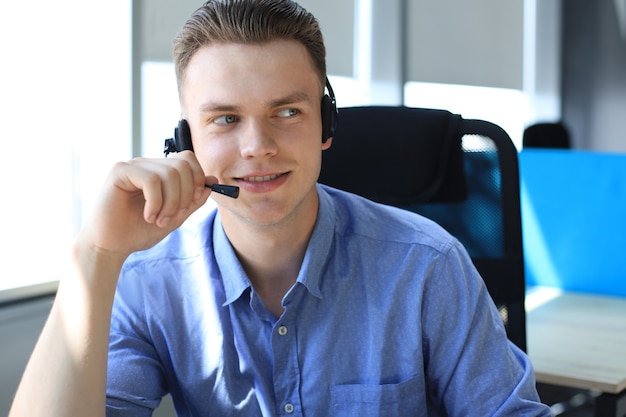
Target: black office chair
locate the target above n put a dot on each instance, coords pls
(546, 135)
(461, 173)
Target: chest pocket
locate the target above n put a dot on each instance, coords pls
(405, 399)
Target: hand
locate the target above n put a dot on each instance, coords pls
(142, 201)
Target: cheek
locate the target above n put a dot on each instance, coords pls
(214, 156)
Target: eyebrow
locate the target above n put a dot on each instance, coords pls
(295, 97)
(217, 107)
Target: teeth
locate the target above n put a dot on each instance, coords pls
(261, 179)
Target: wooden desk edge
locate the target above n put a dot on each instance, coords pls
(571, 382)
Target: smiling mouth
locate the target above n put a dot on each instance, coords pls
(261, 179)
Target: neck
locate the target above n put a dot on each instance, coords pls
(271, 255)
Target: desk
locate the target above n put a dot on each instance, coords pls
(579, 341)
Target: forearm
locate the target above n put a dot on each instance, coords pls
(66, 374)
(142, 201)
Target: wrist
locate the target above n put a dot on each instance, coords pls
(96, 267)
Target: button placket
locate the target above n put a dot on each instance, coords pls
(286, 367)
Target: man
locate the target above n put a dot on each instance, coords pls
(292, 299)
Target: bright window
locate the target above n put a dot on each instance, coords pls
(160, 107)
(507, 108)
(65, 109)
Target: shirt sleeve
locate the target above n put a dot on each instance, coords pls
(135, 379)
(473, 369)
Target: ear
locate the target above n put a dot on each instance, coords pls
(326, 144)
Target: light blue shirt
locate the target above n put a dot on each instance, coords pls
(388, 317)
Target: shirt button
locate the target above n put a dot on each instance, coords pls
(282, 330)
(289, 408)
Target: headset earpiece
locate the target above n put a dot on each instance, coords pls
(182, 136)
(181, 140)
(329, 113)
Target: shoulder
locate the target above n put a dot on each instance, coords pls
(156, 277)
(190, 240)
(173, 264)
(357, 217)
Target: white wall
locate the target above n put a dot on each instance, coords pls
(467, 42)
(594, 75)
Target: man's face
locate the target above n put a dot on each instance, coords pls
(254, 114)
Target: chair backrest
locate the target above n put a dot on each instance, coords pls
(461, 173)
(546, 135)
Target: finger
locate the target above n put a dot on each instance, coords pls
(158, 183)
(177, 192)
(167, 187)
(183, 192)
(152, 188)
(141, 186)
(200, 193)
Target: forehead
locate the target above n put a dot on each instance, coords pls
(232, 70)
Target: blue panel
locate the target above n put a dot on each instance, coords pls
(574, 219)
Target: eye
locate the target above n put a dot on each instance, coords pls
(226, 119)
(288, 113)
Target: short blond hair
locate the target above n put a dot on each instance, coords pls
(248, 22)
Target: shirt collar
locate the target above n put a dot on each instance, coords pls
(317, 253)
(315, 258)
(233, 276)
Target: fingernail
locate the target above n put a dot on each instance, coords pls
(164, 221)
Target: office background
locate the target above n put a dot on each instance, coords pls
(536, 60)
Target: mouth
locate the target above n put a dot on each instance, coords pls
(264, 178)
(262, 183)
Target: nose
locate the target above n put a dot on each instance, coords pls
(256, 140)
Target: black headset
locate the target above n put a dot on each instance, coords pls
(330, 115)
